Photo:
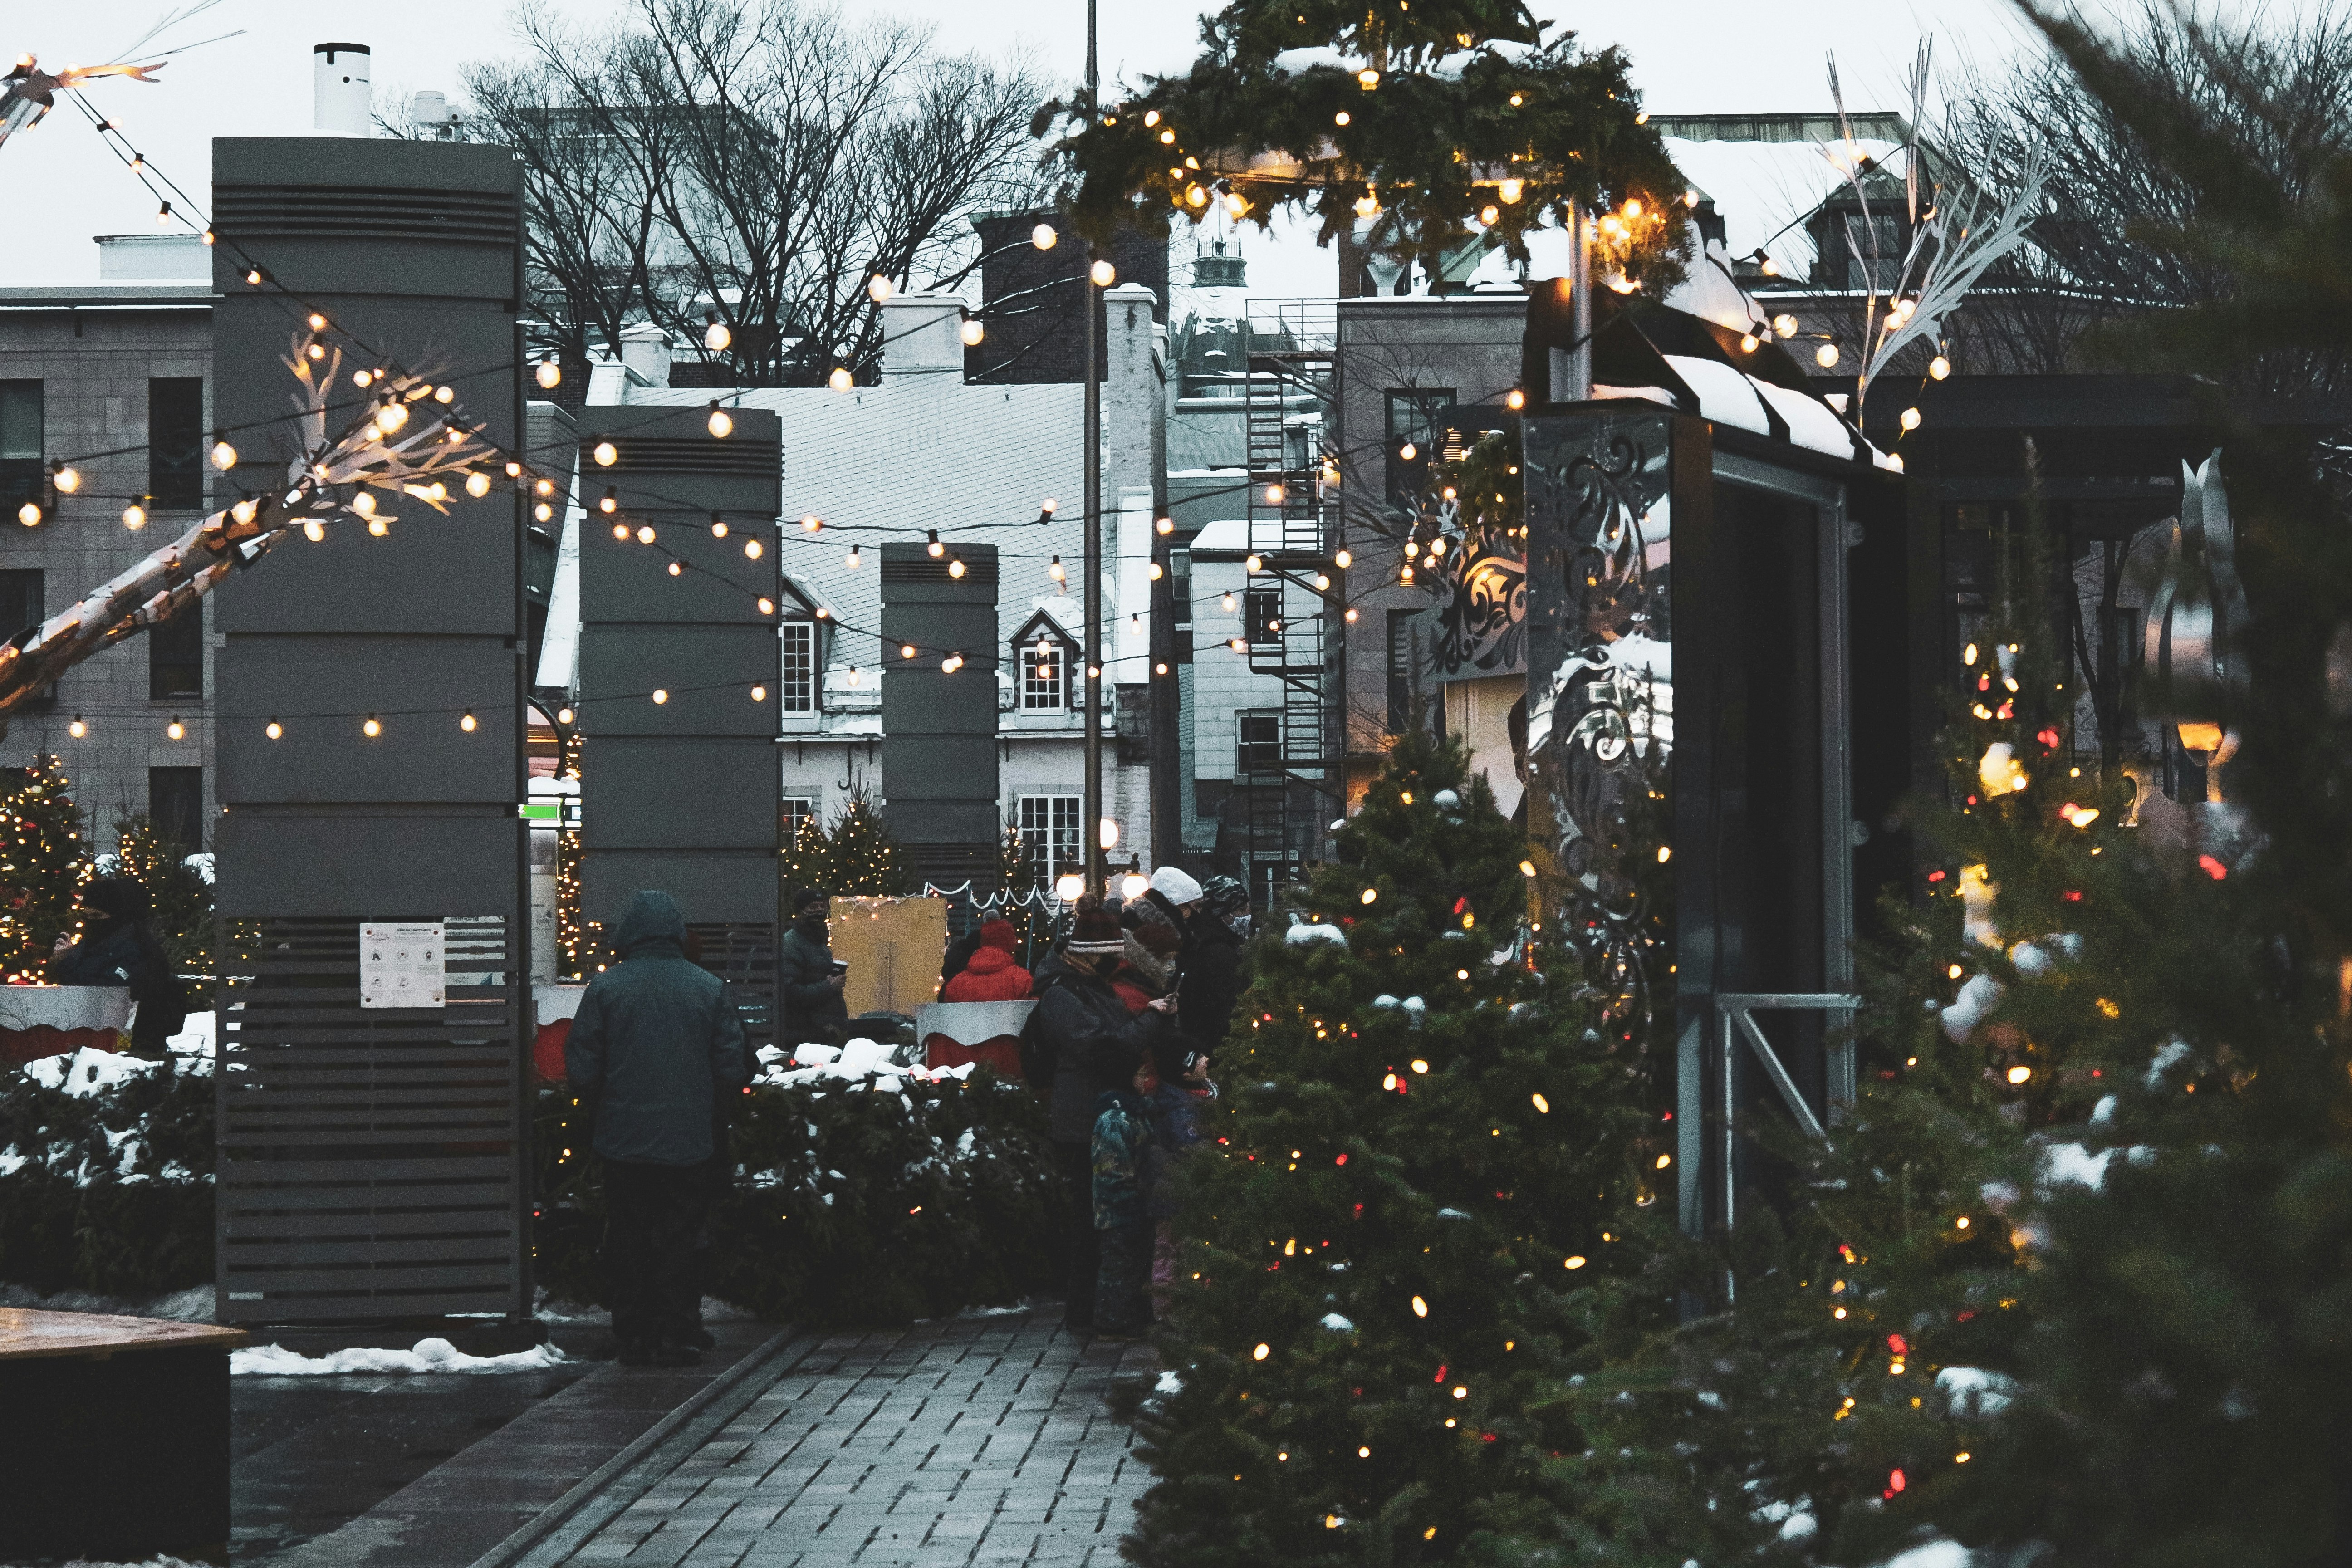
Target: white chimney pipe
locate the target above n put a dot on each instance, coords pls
(344, 95)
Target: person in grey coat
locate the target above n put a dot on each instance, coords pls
(655, 1046)
(808, 991)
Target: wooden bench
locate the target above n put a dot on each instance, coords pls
(114, 1444)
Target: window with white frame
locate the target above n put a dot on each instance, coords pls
(1044, 672)
(1049, 836)
(796, 681)
(795, 815)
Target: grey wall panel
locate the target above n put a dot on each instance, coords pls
(317, 687)
(939, 754)
(734, 887)
(719, 586)
(664, 793)
(455, 572)
(358, 862)
(709, 672)
(940, 767)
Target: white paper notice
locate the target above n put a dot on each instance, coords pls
(400, 966)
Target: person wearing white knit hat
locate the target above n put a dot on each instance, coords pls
(1176, 886)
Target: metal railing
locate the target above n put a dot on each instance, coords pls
(1734, 1014)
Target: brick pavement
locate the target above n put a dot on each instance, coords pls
(974, 1441)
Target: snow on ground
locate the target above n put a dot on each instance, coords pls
(429, 1355)
(1935, 1554)
(859, 1061)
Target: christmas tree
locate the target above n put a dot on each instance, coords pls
(43, 860)
(856, 857)
(1443, 120)
(179, 899)
(1391, 1224)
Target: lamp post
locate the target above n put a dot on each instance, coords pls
(1093, 797)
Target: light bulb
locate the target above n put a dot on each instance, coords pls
(759, 694)
(1939, 367)
(660, 696)
(563, 715)
(1254, 565)
(1196, 196)
(676, 570)
(1511, 190)
(1068, 886)
(717, 526)
(1165, 525)
(853, 675)
(646, 534)
(1911, 420)
(812, 522)
(67, 479)
(840, 380)
(392, 417)
(1367, 205)
(1155, 571)
(243, 511)
(1228, 602)
(1108, 832)
(314, 530)
(879, 287)
(1341, 118)
(274, 730)
(716, 337)
(1056, 571)
(1826, 356)
(378, 527)
(852, 559)
(905, 650)
(514, 471)
(176, 730)
(547, 373)
(767, 606)
(606, 454)
(1344, 560)
(947, 664)
(751, 550)
(477, 484)
(223, 454)
(935, 547)
(447, 395)
(1042, 237)
(77, 728)
(1408, 451)
(1490, 214)
(621, 531)
(1748, 342)
(469, 723)
(955, 568)
(610, 502)
(1103, 273)
(1047, 506)
(1368, 78)
(971, 332)
(134, 517)
(721, 423)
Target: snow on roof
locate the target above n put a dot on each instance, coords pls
(1228, 536)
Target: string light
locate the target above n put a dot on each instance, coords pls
(314, 530)
(610, 502)
(1103, 273)
(223, 454)
(935, 547)
(77, 728)
(759, 694)
(1042, 237)
(371, 728)
(955, 568)
(840, 380)
(721, 423)
(812, 522)
(767, 606)
(972, 331)
(66, 480)
(621, 531)
(1911, 420)
(468, 723)
(879, 288)
(646, 534)
(717, 526)
(1343, 560)
(134, 517)
(852, 559)
(661, 695)
(1054, 571)
(274, 730)
(1826, 356)
(547, 373)
(477, 484)
(751, 550)
(716, 336)
(606, 454)
(676, 570)
(1939, 367)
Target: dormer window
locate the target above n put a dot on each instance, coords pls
(1044, 676)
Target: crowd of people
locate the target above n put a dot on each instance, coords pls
(1132, 1001)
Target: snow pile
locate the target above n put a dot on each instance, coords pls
(1970, 1390)
(1301, 935)
(429, 1355)
(1337, 1324)
(861, 1061)
(1935, 1554)
(87, 1071)
(1978, 997)
(2072, 1164)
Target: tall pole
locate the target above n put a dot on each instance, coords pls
(1093, 687)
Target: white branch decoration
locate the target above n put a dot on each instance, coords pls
(411, 441)
(1956, 238)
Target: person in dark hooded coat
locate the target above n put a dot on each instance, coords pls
(118, 949)
(655, 1046)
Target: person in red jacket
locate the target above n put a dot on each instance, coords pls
(991, 975)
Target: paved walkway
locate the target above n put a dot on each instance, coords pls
(980, 1440)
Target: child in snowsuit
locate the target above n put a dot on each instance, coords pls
(1123, 1221)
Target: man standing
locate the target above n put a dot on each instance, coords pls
(653, 1048)
(1082, 1040)
(808, 985)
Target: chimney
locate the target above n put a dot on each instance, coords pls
(344, 97)
(922, 334)
(430, 115)
(645, 351)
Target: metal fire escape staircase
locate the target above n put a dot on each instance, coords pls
(1292, 527)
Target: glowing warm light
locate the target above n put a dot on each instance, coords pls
(1371, 895)
(2019, 1074)
(1514, 399)
(971, 334)
(660, 695)
(1541, 1103)
(1069, 885)
(469, 723)
(1512, 190)
(477, 484)
(223, 454)
(370, 727)
(1103, 273)
(721, 423)
(1418, 1065)
(879, 287)
(717, 336)
(2197, 736)
(1420, 1308)
(134, 517)
(548, 373)
(77, 728)
(1911, 420)
(606, 454)
(1937, 369)
(1826, 356)
(841, 380)
(1261, 1352)
(274, 730)
(1042, 237)
(646, 534)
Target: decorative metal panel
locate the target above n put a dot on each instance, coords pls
(1482, 608)
(372, 1163)
(1600, 682)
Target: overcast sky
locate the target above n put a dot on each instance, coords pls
(62, 187)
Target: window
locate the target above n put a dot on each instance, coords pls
(1257, 743)
(21, 599)
(21, 479)
(795, 815)
(1401, 664)
(175, 442)
(1043, 664)
(176, 804)
(1180, 584)
(1416, 419)
(1049, 836)
(796, 686)
(1262, 615)
(1864, 263)
(176, 653)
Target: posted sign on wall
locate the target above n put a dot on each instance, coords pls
(400, 966)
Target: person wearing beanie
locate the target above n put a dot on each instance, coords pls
(117, 948)
(1213, 981)
(1148, 967)
(1083, 1042)
(989, 975)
